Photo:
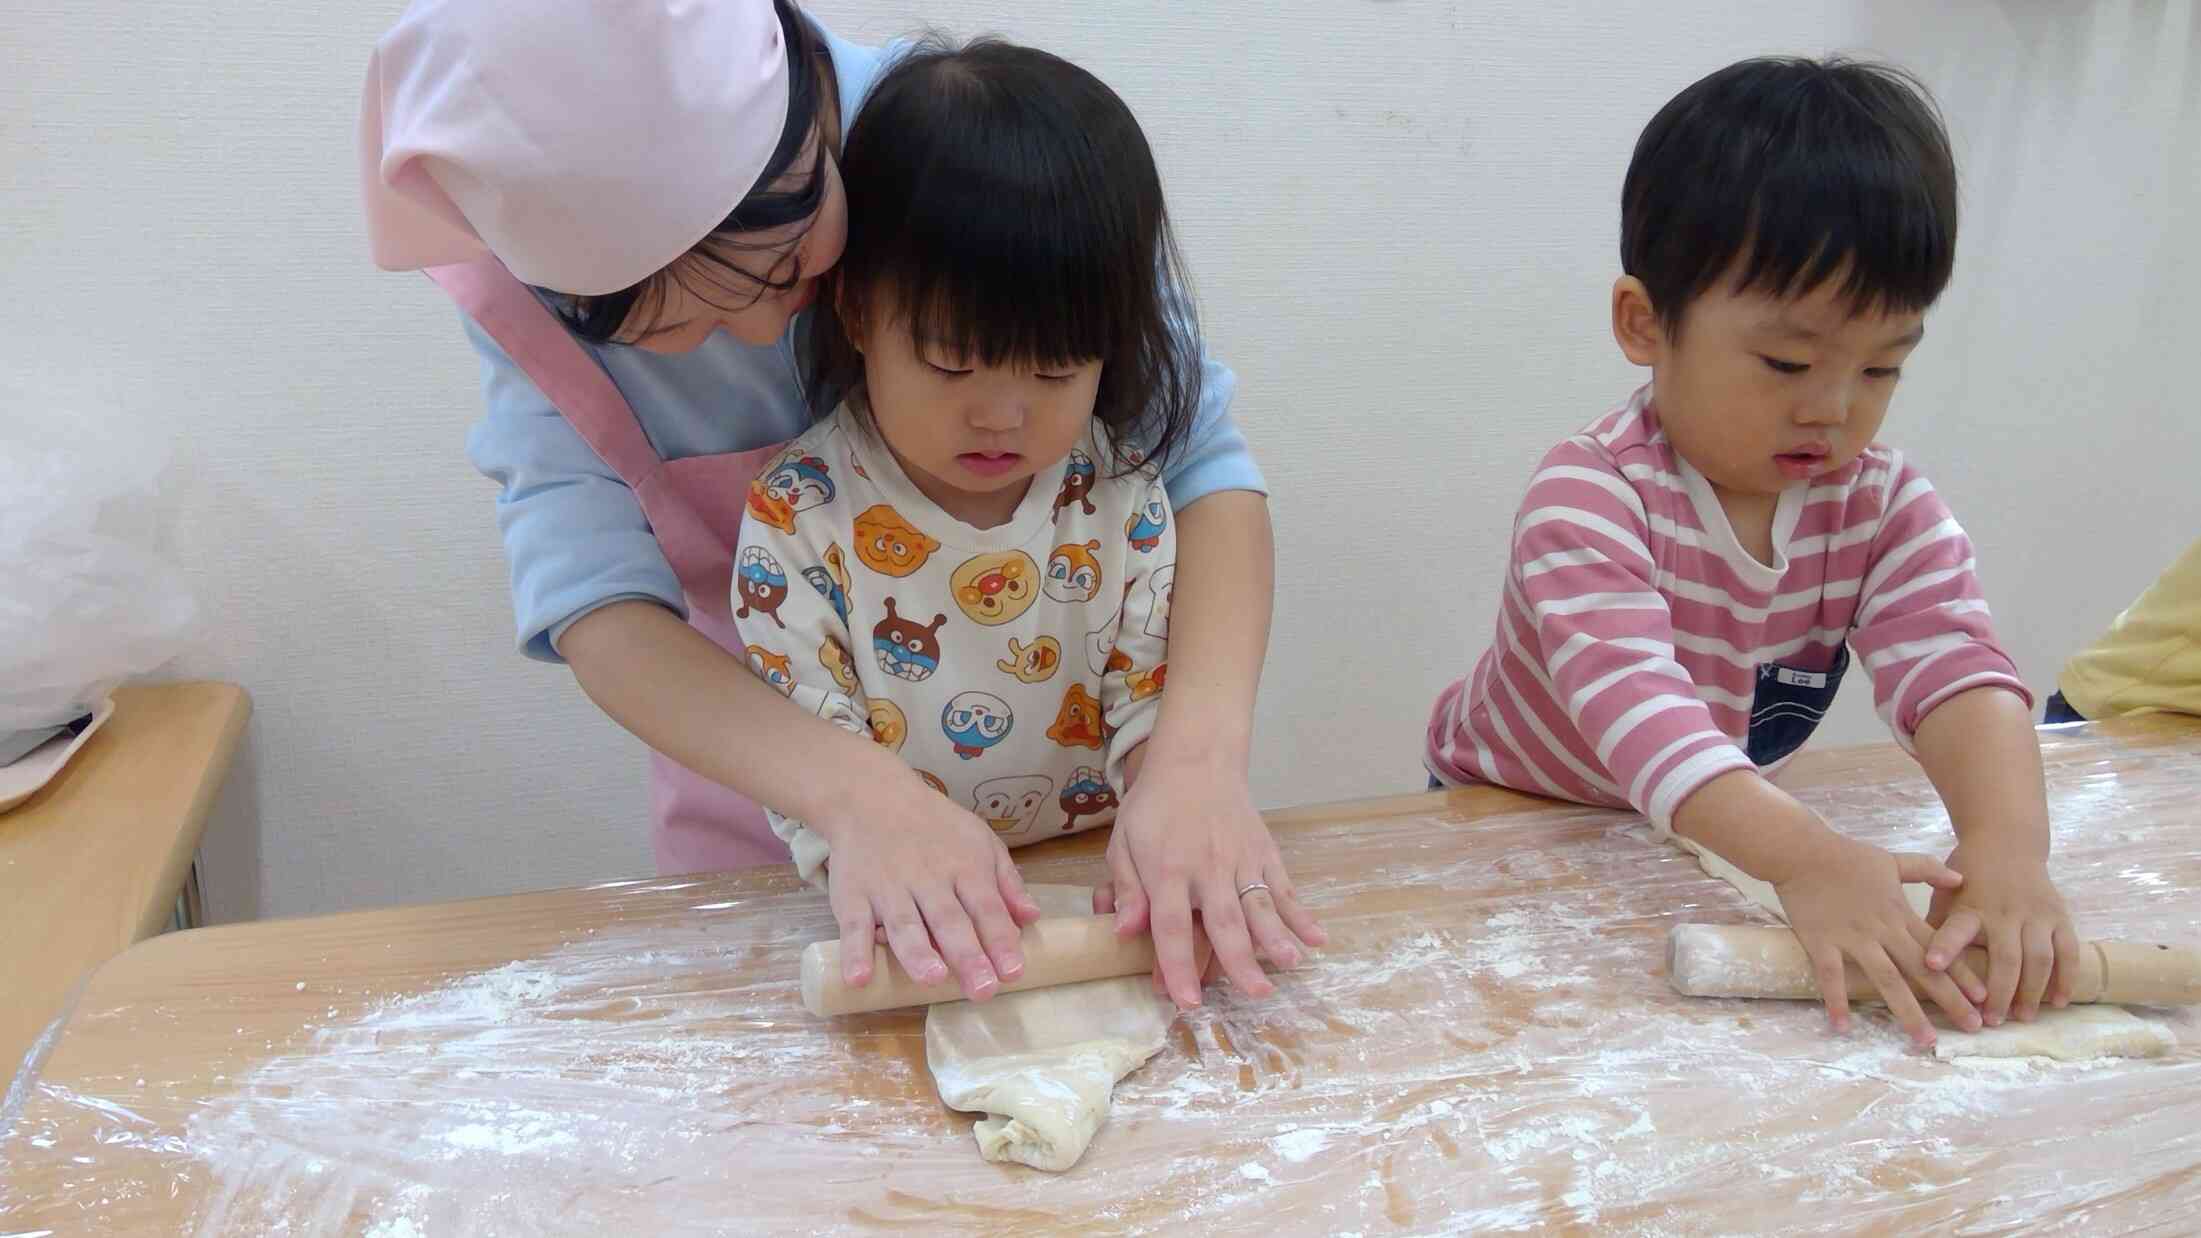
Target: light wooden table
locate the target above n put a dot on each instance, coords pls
(1489, 1044)
(93, 863)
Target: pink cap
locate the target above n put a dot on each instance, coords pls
(586, 143)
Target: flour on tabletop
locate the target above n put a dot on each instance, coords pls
(617, 1083)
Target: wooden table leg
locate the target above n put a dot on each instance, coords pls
(194, 900)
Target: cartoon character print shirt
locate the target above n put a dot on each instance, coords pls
(1013, 668)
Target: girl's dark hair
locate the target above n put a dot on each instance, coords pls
(1789, 171)
(1004, 204)
(706, 271)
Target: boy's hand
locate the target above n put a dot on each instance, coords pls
(1980, 750)
(1845, 901)
(2008, 904)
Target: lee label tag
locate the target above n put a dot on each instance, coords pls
(1801, 679)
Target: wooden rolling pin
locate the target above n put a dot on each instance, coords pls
(1064, 950)
(1732, 960)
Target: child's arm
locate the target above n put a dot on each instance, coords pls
(931, 874)
(1843, 898)
(1980, 751)
(1582, 593)
(1923, 631)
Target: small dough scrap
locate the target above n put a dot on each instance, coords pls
(2073, 1034)
(1919, 895)
(1041, 1064)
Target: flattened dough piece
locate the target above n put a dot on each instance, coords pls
(2073, 1034)
(1042, 1064)
(1919, 895)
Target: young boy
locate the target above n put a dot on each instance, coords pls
(1690, 573)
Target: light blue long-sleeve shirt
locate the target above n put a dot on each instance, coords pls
(574, 533)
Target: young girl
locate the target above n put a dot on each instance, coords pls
(966, 557)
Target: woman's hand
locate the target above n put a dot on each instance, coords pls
(931, 876)
(1187, 839)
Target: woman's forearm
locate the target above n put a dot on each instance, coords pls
(1221, 601)
(684, 696)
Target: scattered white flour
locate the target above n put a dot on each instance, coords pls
(1581, 1135)
(510, 1140)
(1298, 1145)
(1411, 956)
(1531, 1071)
(1535, 945)
(546, 1095)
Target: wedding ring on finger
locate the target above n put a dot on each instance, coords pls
(1251, 886)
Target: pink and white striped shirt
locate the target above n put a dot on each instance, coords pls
(1637, 641)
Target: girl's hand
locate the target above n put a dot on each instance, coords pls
(2008, 903)
(1845, 901)
(1186, 840)
(931, 875)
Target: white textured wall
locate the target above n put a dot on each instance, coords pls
(1402, 219)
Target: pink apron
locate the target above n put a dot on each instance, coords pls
(694, 507)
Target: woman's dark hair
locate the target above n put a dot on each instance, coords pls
(1786, 172)
(1003, 204)
(706, 271)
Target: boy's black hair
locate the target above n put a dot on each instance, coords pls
(1004, 203)
(1779, 173)
(706, 270)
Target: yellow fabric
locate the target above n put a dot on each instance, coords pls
(2151, 656)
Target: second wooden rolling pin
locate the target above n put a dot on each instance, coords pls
(1732, 960)
(1056, 951)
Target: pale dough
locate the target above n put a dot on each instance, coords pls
(1918, 895)
(1042, 1064)
(2073, 1034)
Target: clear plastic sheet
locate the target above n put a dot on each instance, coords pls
(1488, 1045)
(84, 607)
